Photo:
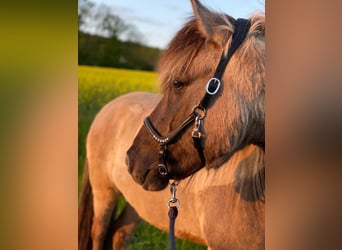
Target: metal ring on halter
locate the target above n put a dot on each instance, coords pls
(197, 108)
(173, 182)
(175, 203)
(211, 84)
(162, 169)
(197, 123)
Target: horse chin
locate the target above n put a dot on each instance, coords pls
(154, 181)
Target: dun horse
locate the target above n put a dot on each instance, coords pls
(222, 208)
(223, 205)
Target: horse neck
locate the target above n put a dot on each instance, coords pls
(244, 173)
(249, 177)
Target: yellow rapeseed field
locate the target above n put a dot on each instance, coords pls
(99, 85)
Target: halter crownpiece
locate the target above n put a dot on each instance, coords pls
(199, 111)
(241, 30)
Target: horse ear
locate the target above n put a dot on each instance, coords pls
(214, 26)
(258, 25)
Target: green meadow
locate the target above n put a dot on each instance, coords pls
(96, 87)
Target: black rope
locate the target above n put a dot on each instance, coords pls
(173, 212)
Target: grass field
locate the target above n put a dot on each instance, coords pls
(96, 87)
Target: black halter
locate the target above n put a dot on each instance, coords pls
(199, 111)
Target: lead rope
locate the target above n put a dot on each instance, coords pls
(173, 205)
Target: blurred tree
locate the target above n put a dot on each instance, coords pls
(85, 10)
(113, 25)
(108, 24)
(134, 35)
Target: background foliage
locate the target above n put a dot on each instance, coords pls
(104, 39)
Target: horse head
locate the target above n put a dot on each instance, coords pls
(231, 119)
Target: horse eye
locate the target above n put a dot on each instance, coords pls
(178, 84)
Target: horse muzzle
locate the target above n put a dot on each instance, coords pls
(150, 178)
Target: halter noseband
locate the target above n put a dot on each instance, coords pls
(199, 111)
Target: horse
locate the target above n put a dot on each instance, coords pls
(228, 119)
(228, 112)
(221, 208)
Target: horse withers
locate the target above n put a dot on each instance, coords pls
(231, 119)
(221, 208)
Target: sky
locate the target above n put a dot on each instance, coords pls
(159, 20)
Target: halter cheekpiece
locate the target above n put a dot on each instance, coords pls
(200, 110)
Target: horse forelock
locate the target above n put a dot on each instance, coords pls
(190, 54)
(180, 54)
